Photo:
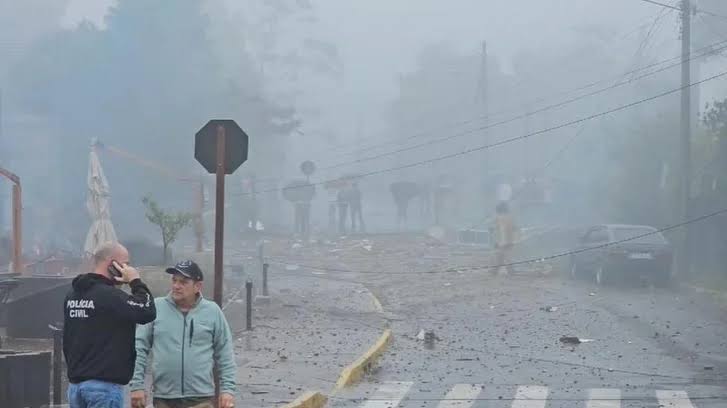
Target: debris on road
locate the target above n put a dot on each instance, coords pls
(428, 337)
(574, 340)
(549, 308)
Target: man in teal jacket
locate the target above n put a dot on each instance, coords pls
(188, 336)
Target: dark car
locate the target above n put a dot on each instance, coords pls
(611, 253)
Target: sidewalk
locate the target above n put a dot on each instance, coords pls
(311, 329)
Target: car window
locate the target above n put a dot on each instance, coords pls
(638, 235)
(599, 235)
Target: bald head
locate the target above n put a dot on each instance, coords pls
(107, 253)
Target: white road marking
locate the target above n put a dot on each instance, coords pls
(530, 396)
(461, 396)
(673, 399)
(604, 398)
(388, 395)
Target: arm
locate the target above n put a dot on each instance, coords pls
(138, 307)
(144, 342)
(224, 355)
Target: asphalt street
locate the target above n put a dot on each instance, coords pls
(497, 343)
(464, 337)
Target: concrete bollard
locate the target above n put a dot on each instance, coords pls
(265, 280)
(264, 299)
(57, 362)
(248, 289)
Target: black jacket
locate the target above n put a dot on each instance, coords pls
(100, 326)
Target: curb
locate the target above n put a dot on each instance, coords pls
(352, 373)
(355, 371)
(308, 400)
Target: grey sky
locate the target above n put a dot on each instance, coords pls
(378, 39)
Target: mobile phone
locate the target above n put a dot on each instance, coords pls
(114, 269)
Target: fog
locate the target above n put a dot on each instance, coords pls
(356, 87)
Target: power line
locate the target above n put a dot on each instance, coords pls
(662, 5)
(577, 134)
(696, 9)
(513, 139)
(528, 114)
(491, 115)
(526, 261)
(709, 13)
(506, 141)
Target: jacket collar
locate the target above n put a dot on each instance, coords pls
(171, 301)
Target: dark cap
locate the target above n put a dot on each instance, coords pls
(188, 269)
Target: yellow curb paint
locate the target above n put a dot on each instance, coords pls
(310, 399)
(354, 372)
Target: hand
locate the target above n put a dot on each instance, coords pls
(128, 273)
(226, 400)
(138, 399)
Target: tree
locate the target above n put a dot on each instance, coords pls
(145, 82)
(169, 223)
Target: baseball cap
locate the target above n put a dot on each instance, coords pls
(188, 269)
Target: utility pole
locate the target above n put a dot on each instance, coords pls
(483, 85)
(684, 191)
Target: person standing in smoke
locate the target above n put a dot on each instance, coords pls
(342, 200)
(355, 202)
(403, 192)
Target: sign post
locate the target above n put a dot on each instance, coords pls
(220, 147)
(219, 214)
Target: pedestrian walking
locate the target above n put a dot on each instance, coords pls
(504, 238)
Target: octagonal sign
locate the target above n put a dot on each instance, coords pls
(205, 145)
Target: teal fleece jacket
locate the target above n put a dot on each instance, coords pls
(184, 349)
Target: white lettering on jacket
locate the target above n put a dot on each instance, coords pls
(78, 308)
(80, 304)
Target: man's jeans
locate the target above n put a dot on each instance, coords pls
(95, 394)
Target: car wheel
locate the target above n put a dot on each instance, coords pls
(600, 277)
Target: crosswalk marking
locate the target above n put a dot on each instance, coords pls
(673, 399)
(604, 398)
(461, 396)
(396, 394)
(530, 396)
(388, 395)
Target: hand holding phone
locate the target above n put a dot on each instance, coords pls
(124, 273)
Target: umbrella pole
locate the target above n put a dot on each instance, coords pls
(17, 225)
(17, 230)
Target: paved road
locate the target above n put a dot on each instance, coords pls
(497, 347)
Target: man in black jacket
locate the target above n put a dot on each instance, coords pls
(100, 328)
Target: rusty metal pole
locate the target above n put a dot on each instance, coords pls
(17, 229)
(219, 214)
(219, 233)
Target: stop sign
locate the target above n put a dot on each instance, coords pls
(205, 145)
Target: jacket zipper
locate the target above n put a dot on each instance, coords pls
(184, 332)
(191, 332)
